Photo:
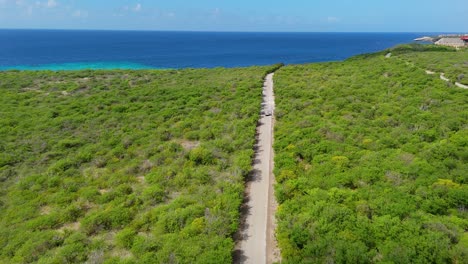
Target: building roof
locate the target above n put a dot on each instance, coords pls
(451, 42)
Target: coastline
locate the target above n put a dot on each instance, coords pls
(48, 50)
(76, 66)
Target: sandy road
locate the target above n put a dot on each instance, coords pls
(257, 225)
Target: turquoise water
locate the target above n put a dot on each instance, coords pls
(80, 66)
(87, 49)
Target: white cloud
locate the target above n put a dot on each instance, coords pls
(51, 3)
(80, 14)
(39, 4)
(124, 10)
(23, 7)
(332, 19)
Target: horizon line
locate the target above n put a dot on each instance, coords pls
(229, 31)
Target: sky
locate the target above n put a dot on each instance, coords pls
(239, 15)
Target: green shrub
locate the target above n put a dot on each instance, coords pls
(201, 156)
(154, 194)
(365, 158)
(147, 151)
(125, 238)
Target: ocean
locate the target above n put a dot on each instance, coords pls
(88, 49)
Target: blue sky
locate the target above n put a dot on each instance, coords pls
(239, 15)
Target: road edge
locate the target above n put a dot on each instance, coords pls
(273, 253)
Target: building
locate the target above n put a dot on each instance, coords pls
(465, 39)
(451, 42)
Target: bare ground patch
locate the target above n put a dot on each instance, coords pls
(70, 226)
(189, 145)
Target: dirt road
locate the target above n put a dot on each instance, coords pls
(257, 225)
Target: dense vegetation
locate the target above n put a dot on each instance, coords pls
(124, 166)
(453, 64)
(372, 160)
(149, 166)
(438, 59)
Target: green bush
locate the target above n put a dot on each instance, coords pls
(140, 154)
(154, 194)
(201, 156)
(367, 159)
(125, 238)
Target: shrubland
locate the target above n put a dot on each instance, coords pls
(453, 64)
(124, 166)
(438, 59)
(371, 160)
(149, 166)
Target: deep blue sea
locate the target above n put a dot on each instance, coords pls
(86, 49)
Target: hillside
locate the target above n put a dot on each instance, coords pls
(372, 160)
(124, 166)
(453, 64)
(149, 166)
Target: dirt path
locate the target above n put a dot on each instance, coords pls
(442, 77)
(461, 85)
(256, 234)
